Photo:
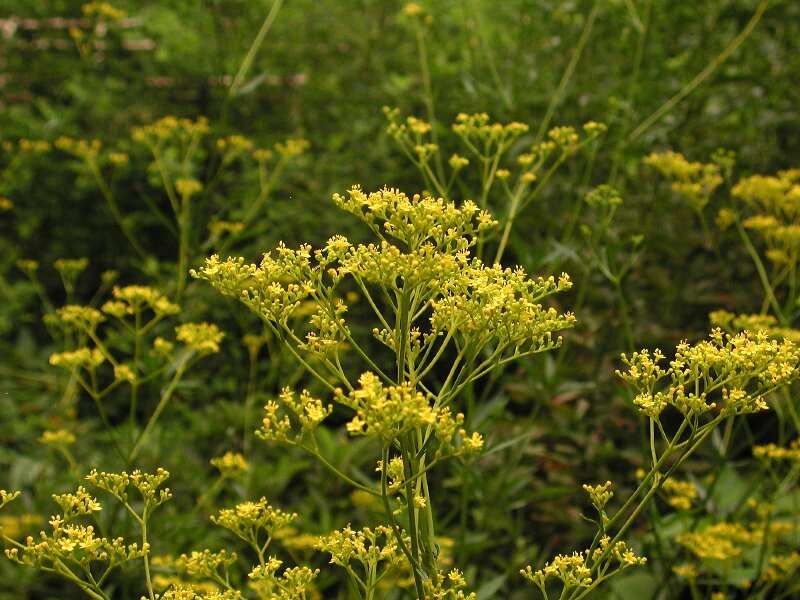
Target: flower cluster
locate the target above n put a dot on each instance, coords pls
(231, 464)
(6, 497)
(203, 338)
(71, 549)
(448, 586)
(583, 570)
(719, 541)
(148, 485)
(735, 372)
(206, 564)
(679, 494)
(501, 306)
(775, 453)
(775, 202)
(417, 221)
(308, 411)
(694, 181)
(488, 142)
(293, 584)
(254, 521)
(733, 323)
(470, 302)
(170, 128)
(368, 546)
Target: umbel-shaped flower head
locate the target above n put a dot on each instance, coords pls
(430, 291)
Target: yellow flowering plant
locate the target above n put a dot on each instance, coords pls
(117, 347)
(176, 150)
(706, 385)
(501, 177)
(444, 320)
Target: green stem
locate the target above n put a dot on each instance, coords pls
(762, 273)
(254, 48)
(558, 95)
(701, 76)
(409, 554)
(162, 404)
(183, 247)
(428, 93)
(145, 558)
(115, 212)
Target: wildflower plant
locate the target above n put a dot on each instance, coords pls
(763, 211)
(117, 347)
(508, 180)
(705, 385)
(444, 318)
(75, 551)
(177, 150)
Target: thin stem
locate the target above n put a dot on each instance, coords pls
(428, 93)
(94, 168)
(183, 247)
(558, 94)
(162, 404)
(762, 273)
(254, 48)
(701, 76)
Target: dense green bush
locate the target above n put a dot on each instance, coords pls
(645, 148)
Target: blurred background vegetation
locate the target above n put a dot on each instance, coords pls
(322, 74)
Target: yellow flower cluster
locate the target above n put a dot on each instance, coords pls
(732, 323)
(448, 586)
(191, 592)
(694, 181)
(580, 570)
(477, 131)
(718, 541)
(291, 148)
(389, 412)
(773, 452)
(82, 358)
(6, 497)
(739, 370)
(147, 484)
(84, 149)
(599, 495)
(213, 565)
(680, 494)
(233, 146)
(102, 11)
(251, 521)
(308, 411)
(69, 269)
(417, 221)
(170, 129)
(780, 567)
(231, 464)
(204, 338)
(58, 439)
(25, 146)
(501, 304)
(603, 196)
(72, 544)
(188, 187)
(132, 299)
(474, 301)
(293, 584)
(776, 204)
(363, 546)
(570, 569)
